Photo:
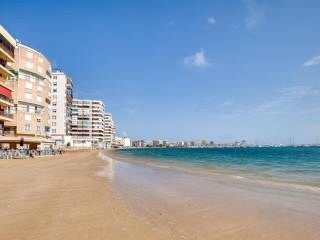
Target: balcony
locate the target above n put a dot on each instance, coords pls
(5, 100)
(5, 72)
(5, 52)
(6, 116)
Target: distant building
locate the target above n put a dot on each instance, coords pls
(138, 143)
(158, 143)
(126, 142)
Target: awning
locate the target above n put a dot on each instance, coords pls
(5, 91)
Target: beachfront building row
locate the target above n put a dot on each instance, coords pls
(37, 108)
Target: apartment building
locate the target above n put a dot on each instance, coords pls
(32, 99)
(7, 48)
(62, 96)
(109, 130)
(87, 123)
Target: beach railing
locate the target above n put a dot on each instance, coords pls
(23, 153)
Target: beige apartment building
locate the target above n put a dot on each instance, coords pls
(7, 51)
(32, 99)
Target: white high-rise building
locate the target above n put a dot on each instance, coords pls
(109, 130)
(87, 127)
(61, 107)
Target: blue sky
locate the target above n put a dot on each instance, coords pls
(182, 70)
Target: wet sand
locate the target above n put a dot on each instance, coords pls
(80, 196)
(198, 206)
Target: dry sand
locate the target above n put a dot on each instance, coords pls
(61, 198)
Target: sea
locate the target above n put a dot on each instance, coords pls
(294, 166)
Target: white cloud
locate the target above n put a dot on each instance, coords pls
(198, 59)
(255, 17)
(286, 99)
(227, 103)
(312, 62)
(212, 20)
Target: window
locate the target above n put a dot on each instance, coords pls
(54, 117)
(28, 96)
(39, 99)
(38, 128)
(53, 131)
(54, 124)
(27, 117)
(29, 65)
(27, 127)
(28, 85)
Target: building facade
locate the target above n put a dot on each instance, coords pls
(32, 98)
(87, 123)
(7, 52)
(62, 96)
(31, 93)
(109, 130)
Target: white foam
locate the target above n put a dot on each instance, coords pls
(107, 170)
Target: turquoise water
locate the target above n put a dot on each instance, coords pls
(299, 165)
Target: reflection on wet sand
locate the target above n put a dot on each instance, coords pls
(188, 206)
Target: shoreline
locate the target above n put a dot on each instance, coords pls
(89, 195)
(206, 170)
(193, 206)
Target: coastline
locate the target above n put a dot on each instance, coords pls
(216, 206)
(90, 195)
(209, 170)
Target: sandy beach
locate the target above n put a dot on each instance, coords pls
(87, 195)
(61, 198)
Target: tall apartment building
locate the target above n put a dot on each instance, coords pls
(32, 99)
(7, 47)
(109, 130)
(61, 107)
(87, 126)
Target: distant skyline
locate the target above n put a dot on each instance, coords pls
(186, 70)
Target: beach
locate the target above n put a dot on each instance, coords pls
(96, 195)
(62, 198)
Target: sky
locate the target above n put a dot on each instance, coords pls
(183, 69)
